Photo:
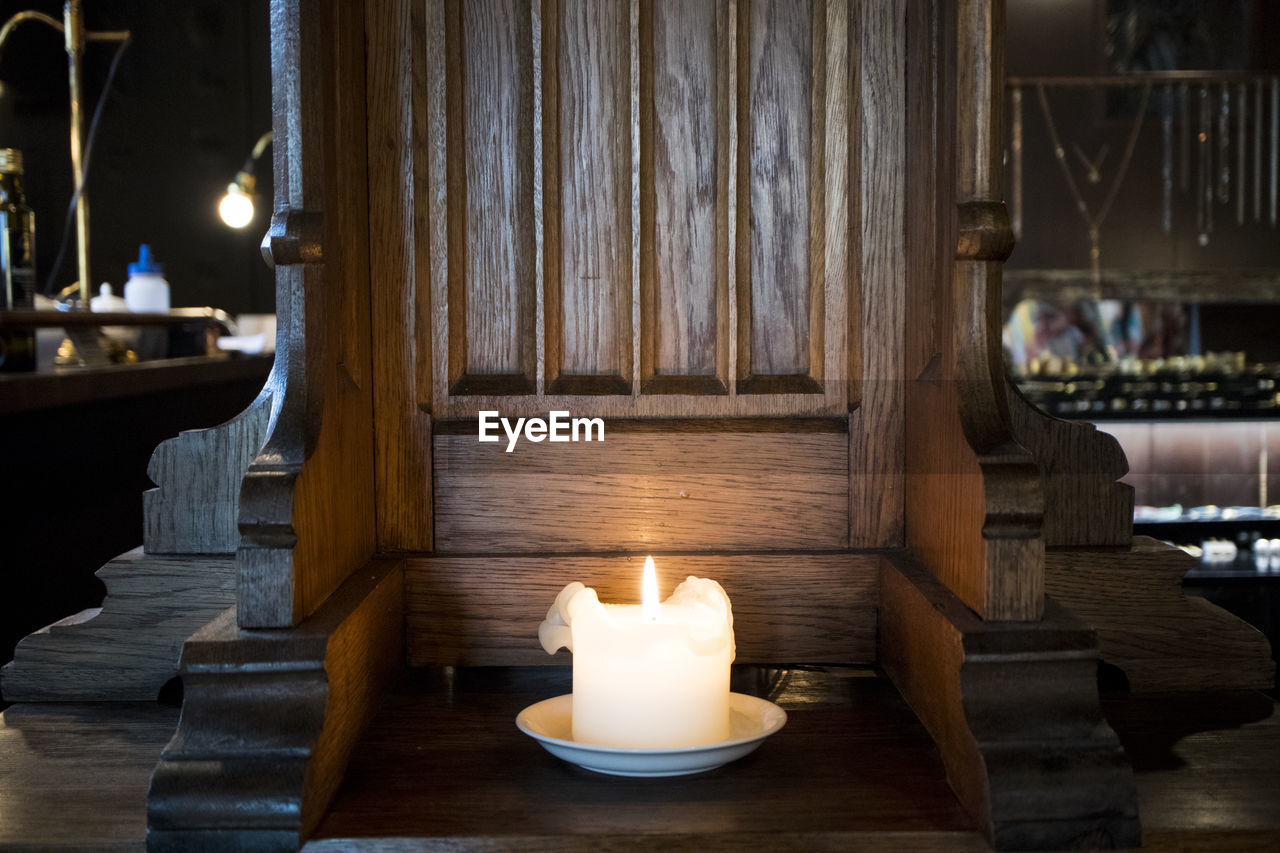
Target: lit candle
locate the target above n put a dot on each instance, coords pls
(654, 675)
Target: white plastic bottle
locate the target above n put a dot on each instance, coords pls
(146, 291)
(108, 303)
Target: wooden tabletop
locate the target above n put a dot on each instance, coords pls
(22, 392)
(444, 760)
(75, 775)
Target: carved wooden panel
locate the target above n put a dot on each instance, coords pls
(645, 206)
(684, 199)
(586, 162)
(781, 104)
(489, 135)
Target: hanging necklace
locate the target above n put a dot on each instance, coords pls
(1091, 220)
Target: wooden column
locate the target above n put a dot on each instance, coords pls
(974, 500)
(1003, 679)
(307, 502)
(279, 688)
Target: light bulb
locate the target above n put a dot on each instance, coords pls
(236, 207)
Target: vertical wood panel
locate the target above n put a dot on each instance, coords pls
(781, 152)
(876, 429)
(586, 58)
(489, 104)
(684, 117)
(402, 430)
(841, 335)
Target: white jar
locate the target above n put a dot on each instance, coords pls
(146, 291)
(108, 303)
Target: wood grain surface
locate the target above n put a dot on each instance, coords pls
(684, 200)
(781, 150)
(637, 490)
(876, 428)
(491, 263)
(586, 151)
(128, 648)
(398, 273)
(73, 776)
(195, 505)
(306, 502)
(271, 717)
(1163, 639)
(1014, 709)
(443, 765)
(787, 607)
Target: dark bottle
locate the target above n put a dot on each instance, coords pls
(17, 263)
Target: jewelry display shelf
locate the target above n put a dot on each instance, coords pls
(443, 760)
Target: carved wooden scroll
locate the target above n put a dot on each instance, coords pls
(128, 648)
(1163, 639)
(195, 506)
(1080, 469)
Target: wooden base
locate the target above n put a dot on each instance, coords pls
(270, 717)
(1207, 767)
(130, 646)
(444, 767)
(1014, 709)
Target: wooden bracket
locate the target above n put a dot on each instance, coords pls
(295, 237)
(1163, 639)
(196, 502)
(1080, 468)
(269, 719)
(1014, 709)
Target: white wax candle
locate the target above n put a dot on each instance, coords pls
(643, 683)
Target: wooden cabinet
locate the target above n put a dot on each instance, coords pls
(763, 241)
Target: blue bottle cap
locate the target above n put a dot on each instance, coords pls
(144, 264)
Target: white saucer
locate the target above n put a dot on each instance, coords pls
(751, 720)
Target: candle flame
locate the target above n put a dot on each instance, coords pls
(650, 606)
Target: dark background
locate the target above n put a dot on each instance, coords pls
(192, 95)
(190, 98)
(1070, 37)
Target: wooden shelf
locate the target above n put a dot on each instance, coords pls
(443, 760)
(1225, 286)
(22, 392)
